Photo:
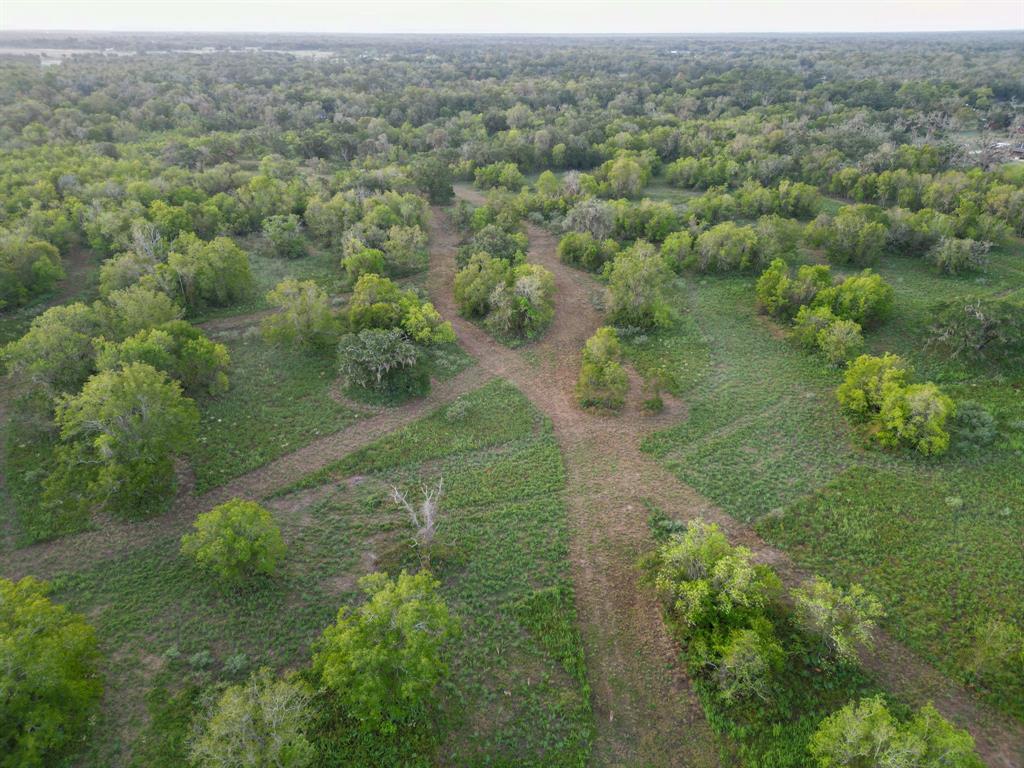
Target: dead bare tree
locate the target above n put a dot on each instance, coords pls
(424, 516)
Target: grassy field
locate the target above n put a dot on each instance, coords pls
(517, 694)
(939, 540)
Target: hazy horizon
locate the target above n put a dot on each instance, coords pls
(647, 17)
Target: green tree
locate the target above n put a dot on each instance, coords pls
(980, 329)
(724, 248)
(363, 261)
(383, 359)
(915, 416)
(603, 382)
(844, 619)
(522, 306)
(865, 299)
(56, 353)
(49, 680)
(118, 439)
(28, 267)
(260, 724)
(134, 309)
(866, 381)
(383, 659)
(305, 315)
(637, 280)
(200, 273)
(475, 283)
(284, 236)
(236, 540)
(864, 734)
(433, 177)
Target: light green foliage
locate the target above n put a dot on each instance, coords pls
(844, 619)
(841, 341)
(777, 237)
(865, 735)
(201, 274)
(548, 185)
(865, 298)
(603, 382)
(235, 540)
(495, 241)
(305, 315)
(57, 351)
(49, 683)
(284, 236)
(118, 438)
(382, 660)
(749, 659)
(377, 302)
(726, 247)
(499, 175)
(953, 255)
(915, 416)
(866, 381)
(580, 249)
(997, 656)
(475, 283)
(262, 723)
(781, 295)
(523, 305)
(405, 249)
(810, 323)
(382, 359)
(134, 309)
(363, 261)
(675, 250)
(177, 348)
(637, 280)
(855, 235)
(328, 220)
(28, 268)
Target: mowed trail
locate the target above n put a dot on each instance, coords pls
(646, 713)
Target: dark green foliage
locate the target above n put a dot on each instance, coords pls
(284, 236)
(980, 330)
(29, 267)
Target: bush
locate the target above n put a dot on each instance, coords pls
(853, 236)
(781, 295)
(726, 247)
(56, 353)
(405, 250)
(378, 302)
(810, 323)
(475, 283)
(676, 250)
(496, 242)
(49, 683)
(749, 660)
(235, 540)
(915, 416)
(177, 348)
(865, 384)
(953, 255)
(305, 315)
(603, 381)
(580, 249)
(499, 175)
(997, 658)
(201, 274)
(865, 298)
(637, 280)
(261, 723)
(118, 439)
(135, 309)
(382, 661)
(595, 217)
(980, 330)
(28, 267)
(864, 733)
(382, 359)
(522, 306)
(284, 236)
(842, 619)
(973, 425)
(841, 341)
(363, 261)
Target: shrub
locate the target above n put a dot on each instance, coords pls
(842, 619)
(523, 306)
(305, 315)
(118, 438)
(200, 274)
(593, 216)
(915, 416)
(726, 247)
(865, 298)
(135, 309)
(841, 341)
(499, 175)
(378, 302)
(261, 723)
(56, 353)
(973, 425)
(954, 255)
(810, 323)
(49, 683)
(382, 359)
(28, 267)
(580, 249)
(496, 242)
(865, 383)
(235, 540)
(781, 295)
(382, 660)
(405, 250)
(676, 249)
(749, 659)
(603, 381)
(853, 236)
(864, 733)
(980, 329)
(776, 237)
(363, 261)
(284, 236)
(997, 658)
(177, 348)
(637, 279)
(475, 283)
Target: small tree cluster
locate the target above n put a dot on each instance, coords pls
(953, 255)
(235, 540)
(980, 329)
(499, 175)
(603, 382)
(876, 394)
(28, 267)
(855, 235)
(305, 315)
(515, 302)
(637, 280)
(580, 249)
(284, 236)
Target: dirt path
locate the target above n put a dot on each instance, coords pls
(642, 702)
(114, 538)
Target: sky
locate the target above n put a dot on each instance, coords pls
(504, 16)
